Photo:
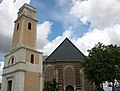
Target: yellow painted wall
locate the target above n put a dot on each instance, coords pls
(32, 81)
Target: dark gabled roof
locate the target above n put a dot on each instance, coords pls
(66, 51)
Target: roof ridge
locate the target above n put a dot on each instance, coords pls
(66, 51)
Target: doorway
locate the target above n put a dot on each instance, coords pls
(9, 88)
(69, 88)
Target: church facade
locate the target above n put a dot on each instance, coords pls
(25, 68)
(63, 64)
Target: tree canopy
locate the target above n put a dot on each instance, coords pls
(102, 64)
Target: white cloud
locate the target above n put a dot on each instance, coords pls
(105, 23)
(101, 14)
(43, 30)
(107, 36)
(80, 10)
(8, 13)
(1, 70)
(51, 46)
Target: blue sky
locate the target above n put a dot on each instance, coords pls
(46, 11)
(1, 59)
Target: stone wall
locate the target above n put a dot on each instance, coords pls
(67, 73)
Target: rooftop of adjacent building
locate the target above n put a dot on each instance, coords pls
(66, 51)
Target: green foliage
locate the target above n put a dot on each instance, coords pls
(102, 64)
(51, 85)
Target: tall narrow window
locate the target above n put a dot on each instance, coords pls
(12, 61)
(32, 59)
(18, 26)
(29, 26)
(9, 87)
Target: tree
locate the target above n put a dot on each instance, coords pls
(113, 57)
(51, 85)
(102, 64)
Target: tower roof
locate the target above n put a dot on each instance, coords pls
(66, 51)
(28, 7)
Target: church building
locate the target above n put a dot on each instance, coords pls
(63, 64)
(26, 69)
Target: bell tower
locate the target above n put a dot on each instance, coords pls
(25, 28)
(23, 64)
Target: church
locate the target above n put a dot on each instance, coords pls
(26, 69)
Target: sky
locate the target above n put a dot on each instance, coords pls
(84, 22)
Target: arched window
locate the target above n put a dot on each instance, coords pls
(29, 26)
(69, 74)
(49, 73)
(18, 26)
(11, 60)
(32, 59)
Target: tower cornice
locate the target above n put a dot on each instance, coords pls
(26, 17)
(27, 6)
(21, 47)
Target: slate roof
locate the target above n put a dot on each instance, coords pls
(66, 51)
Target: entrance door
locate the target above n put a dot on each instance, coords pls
(9, 85)
(69, 88)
